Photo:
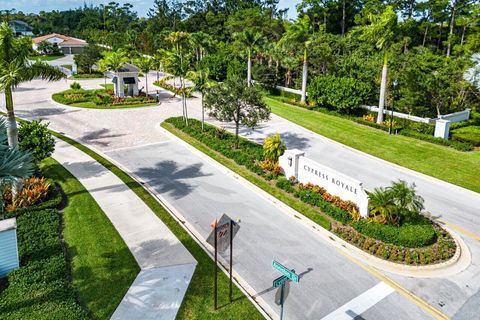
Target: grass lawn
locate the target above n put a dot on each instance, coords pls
(198, 301)
(102, 266)
(45, 58)
(460, 168)
(85, 76)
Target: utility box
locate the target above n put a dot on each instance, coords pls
(8, 246)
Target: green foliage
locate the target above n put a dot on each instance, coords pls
(273, 147)
(86, 59)
(458, 145)
(341, 93)
(234, 101)
(408, 235)
(470, 135)
(75, 86)
(35, 137)
(40, 289)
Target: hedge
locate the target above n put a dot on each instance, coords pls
(40, 289)
(460, 146)
(470, 135)
(408, 235)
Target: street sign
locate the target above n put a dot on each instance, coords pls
(279, 281)
(223, 233)
(280, 296)
(290, 274)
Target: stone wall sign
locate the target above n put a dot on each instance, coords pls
(294, 163)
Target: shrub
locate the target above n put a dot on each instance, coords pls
(34, 191)
(75, 86)
(273, 147)
(40, 288)
(35, 137)
(408, 235)
(285, 184)
(469, 135)
(460, 146)
(271, 166)
(368, 118)
(341, 93)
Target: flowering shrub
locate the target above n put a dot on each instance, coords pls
(369, 118)
(34, 191)
(271, 166)
(387, 123)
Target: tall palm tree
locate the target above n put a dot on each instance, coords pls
(300, 33)
(202, 84)
(250, 40)
(113, 61)
(381, 32)
(178, 62)
(16, 69)
(145, 63)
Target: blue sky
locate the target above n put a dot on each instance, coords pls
(141, 6)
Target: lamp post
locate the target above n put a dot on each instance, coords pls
(395, 84)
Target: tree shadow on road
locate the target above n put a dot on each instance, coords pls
(167, 177)
(93, 137)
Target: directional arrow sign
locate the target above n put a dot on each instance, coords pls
(290, 274)
(279, 281)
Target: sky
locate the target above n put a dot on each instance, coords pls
(141, 6)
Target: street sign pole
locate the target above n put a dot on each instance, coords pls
(215, 285)
(281, 301)
(231, 259)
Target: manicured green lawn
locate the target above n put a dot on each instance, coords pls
(86, 76)
(460, 168)
(198, 301)
(45, 58)
(102, 266)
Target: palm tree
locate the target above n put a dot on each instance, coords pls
(382, 206)
(381, 32)
(145, 64)
(157, 63)
(113, 61)
(16, 69)
(178, 62)
(250, 40)
(202, 84)
(300, 33)
(15, 164)
(405, 197)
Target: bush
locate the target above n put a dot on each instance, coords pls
(407, 235)
(285, 184)
(341, 93)
(35, 137)
(460, 146)
(75, 86)
(273, 147)
(40, 289)
(34, 191)
(470, 135)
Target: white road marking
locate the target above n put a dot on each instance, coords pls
(362, 303)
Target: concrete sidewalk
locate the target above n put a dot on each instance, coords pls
(166, 265)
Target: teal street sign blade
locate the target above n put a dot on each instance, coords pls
(279, 281)
(290, 274)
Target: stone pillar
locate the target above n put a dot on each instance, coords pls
(442, 128)
(119, 92)
(289, 162)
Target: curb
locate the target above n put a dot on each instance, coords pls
(460, 260)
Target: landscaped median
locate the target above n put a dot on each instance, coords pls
(99, 98)
(410, 239)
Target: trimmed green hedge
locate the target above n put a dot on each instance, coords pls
(470, 135)
(407, 235)
(40, 289)
(460, 146)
